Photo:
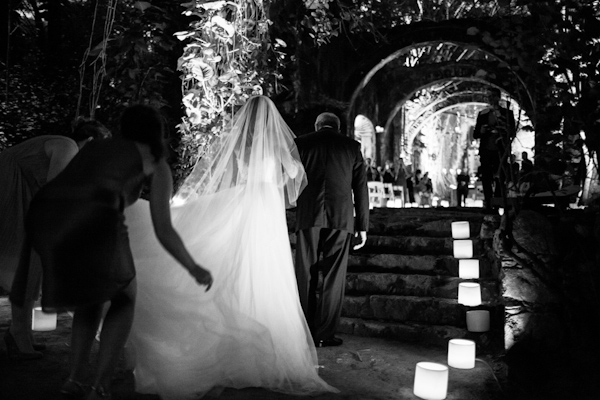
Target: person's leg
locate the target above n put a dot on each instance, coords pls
(85, 323)
(20, 327)
(487, 177)
(336, 246)
(24, 292)
(307, 274)
(115, 331)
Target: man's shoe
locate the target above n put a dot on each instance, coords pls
(332, 341)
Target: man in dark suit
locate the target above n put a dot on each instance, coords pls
(325, 222)
(495, 127)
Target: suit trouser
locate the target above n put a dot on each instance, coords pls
(322, 306)
(490, 162)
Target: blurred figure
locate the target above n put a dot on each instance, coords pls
(425, 190)
(526, 165)
(371, 171)
(77, 226)
(462, 187)
(401, 178)
(24, 169)
(389, 174)
(416, 180)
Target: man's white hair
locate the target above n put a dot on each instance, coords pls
(327, 119)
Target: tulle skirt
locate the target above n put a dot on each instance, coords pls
(248, 330)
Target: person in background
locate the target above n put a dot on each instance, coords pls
(371, 171)
(425, 190)
(389, 175)
(76, 223)
(416, 180)
(495, 127)
(400, 179)
(24, 169)
(462, 187)
(325, 222)
(526, 166)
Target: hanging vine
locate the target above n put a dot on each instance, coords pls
(98, 64)
(228, 59)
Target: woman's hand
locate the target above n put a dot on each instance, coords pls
(202, 276)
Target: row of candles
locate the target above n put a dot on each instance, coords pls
(431, 379)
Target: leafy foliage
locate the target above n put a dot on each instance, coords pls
(227, 59)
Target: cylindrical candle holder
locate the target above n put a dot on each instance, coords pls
(468, 269)
(431, 381)
(469, 293)
(41, 321)
(460, 230)
(463, 248)
(461, 353)
(478, 321)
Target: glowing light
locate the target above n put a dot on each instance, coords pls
(469, 294)
(463, 249)
(461, 353)
(468, 269)
(431, 381)
(460, 230)
(41, 321)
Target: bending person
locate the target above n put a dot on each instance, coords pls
(77, 225)
(249, 330)
(24, 169)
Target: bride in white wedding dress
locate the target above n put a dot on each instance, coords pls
(248, 330)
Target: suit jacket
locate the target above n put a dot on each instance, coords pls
(335, 170)
(500, 130)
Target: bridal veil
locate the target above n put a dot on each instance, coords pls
(248, 330)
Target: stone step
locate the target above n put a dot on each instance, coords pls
(415, 222)
(408, 245)
(434, 335)
(422, 222)
(403, 264)
(446, 287)
(394, 308)
(416, 245)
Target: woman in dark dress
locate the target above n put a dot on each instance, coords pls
(77, 225)
(24, 169)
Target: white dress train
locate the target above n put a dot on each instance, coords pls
(248, 330)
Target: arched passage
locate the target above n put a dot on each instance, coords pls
(425, 89)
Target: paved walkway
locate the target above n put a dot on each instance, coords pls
(362, 368)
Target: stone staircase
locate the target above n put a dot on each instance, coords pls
(403, 284)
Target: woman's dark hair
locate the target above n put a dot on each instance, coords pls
(85, 128)
(144, 124)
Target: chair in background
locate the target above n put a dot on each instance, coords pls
(388, 194)
(376, 194)
(399, 194)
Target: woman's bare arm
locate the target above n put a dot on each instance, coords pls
(160, 195)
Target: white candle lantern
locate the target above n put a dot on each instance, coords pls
(468, 269)
(41, 321)
(469, 293)
(463, 249)
(461, 353)
(478, 321)
(431, 381)
(460, 230)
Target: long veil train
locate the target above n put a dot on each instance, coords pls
(248, 330)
